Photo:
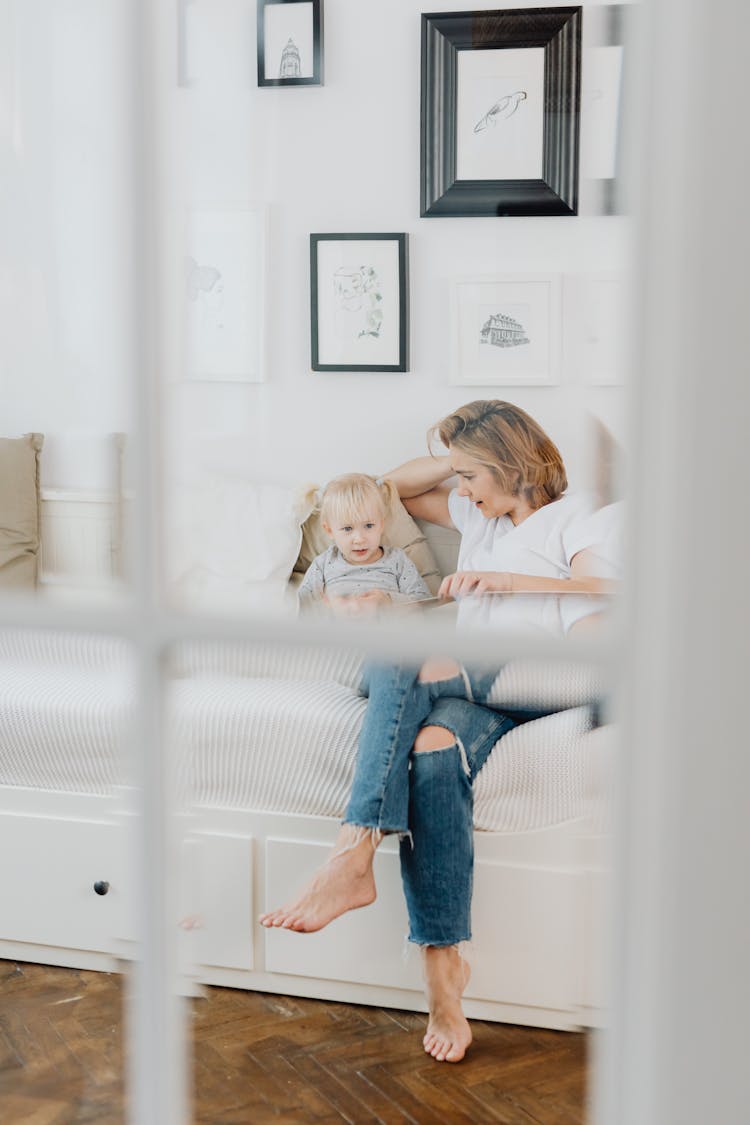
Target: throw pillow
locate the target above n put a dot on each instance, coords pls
(19, 510)
(234, 542)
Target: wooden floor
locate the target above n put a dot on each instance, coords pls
(261, 1058)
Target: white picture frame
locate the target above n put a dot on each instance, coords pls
(224, 294)
(594, 321)
(506, 330)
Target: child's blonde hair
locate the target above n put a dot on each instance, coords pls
(351, 497)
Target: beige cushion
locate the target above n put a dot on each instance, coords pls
(400, 531)
(19, 510)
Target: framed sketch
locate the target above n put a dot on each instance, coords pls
(224, 295)
(595, 316)
(500, 112)
(506, 330)
(359, 302)
(290, 42)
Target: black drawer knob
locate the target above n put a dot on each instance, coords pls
(101, 887)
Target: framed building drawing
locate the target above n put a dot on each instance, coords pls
(500, 112)
(359, 302)
(290, 42)
(224, 276)
(506, 330)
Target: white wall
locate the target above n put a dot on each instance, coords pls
(344, 157)
(65, 229)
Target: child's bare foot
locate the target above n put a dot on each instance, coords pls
(344, 882)
(446, 976)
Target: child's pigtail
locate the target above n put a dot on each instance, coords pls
(390, 495)
(313, 497)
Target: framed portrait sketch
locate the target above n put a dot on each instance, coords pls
(359, 302)
(290, 42)
(500, 112)
(506, 330)
(224, 295)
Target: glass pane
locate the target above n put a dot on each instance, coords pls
(65, 295)
(314, 939)
(67, 934)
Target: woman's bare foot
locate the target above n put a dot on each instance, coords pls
(446, 976)
(344, 882)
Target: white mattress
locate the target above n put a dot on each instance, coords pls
(269, 729)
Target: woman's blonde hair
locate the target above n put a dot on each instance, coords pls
(507, 440)
(352, 497)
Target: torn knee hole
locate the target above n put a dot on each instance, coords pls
(434, 670)
(434, 738)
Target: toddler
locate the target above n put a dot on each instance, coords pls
(357, 574)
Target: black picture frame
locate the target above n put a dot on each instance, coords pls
(444, 36)
(320, 305)
(316, 78)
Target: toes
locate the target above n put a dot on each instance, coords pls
(429, 1041)
(455, 1054)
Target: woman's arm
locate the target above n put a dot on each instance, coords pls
(420, 475)
(581, 581)
(420, 484)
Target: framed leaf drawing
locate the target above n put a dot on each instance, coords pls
(224, 295)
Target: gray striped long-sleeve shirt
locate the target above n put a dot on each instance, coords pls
(394, 573)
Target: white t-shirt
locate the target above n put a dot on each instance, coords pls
(543, 544)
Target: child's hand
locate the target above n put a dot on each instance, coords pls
(359, 605)
(342, 606)
(372, 600)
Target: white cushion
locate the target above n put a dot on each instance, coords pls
(233, 543)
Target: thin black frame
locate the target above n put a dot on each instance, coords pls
(403, 302)
(317, 75)
(444, 34)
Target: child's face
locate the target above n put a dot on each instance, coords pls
(359, 541)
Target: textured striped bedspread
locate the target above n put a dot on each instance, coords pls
(269, 729)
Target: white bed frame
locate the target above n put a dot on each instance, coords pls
(537, 905)
(538, 902)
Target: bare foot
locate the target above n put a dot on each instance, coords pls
(344, 882)
(446, 976)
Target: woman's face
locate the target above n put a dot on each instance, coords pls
(482, 488)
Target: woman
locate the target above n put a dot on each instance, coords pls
(426, 732)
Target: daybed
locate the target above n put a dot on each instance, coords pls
(266, 739)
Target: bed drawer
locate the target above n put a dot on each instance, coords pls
(524, 952)
(53, 869)
(365, 946)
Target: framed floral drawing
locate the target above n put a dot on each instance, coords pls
(359, 302)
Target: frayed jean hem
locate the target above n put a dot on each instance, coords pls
(442, 943)
(377, 828)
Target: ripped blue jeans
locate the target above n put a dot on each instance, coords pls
(427, 797)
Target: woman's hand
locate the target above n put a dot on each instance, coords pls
(465, 582)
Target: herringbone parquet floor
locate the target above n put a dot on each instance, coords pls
(259, 1058)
